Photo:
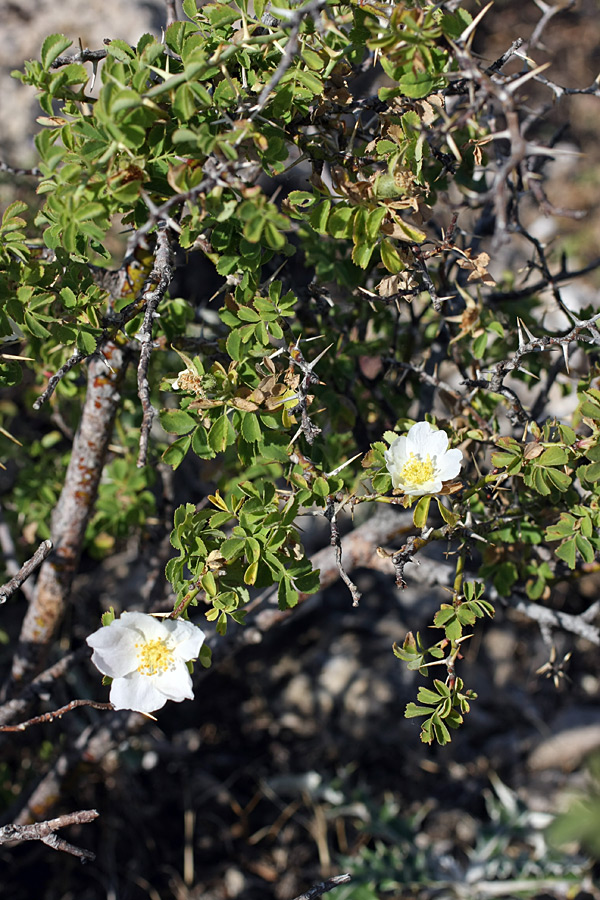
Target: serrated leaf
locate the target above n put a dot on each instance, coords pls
(176, 421)
(585, 548)
(412, 711)
(217, 436)
(592, 472)
(52, 47)
(251, 430)
(86, 342)
(176, 452)
(430, 697)
(567, 552)
(553, 456)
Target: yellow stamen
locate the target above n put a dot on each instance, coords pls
(154, 657)
(417, 470)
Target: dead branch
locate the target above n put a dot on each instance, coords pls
(324, 886)
(26, 570)
(16, 707)
(331, 516)
(56, 714)
(554, 618)
(160, 276)
(11, 170)
(45, 832)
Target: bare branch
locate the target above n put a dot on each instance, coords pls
(55, 714)
(160, 276)
(45, 832)
(82, 56)
(331, 516)
(11, 170)
(557, 619)
(324, 886)
(26, 570)
(40, 685)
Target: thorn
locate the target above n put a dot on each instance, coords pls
(343, 466)
(312, 364)
(522, 324)
(466, 34)
(295, 438)
(527, 372)
(514, 85)
(565, 350)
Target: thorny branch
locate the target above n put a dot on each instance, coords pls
(307, 427)
(26, 570)
(495, 382)
(45, 832)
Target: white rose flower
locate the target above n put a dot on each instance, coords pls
(419, 462)
(146, 658)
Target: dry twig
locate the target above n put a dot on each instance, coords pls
(26, 570)
(324, 886)
(45, 832)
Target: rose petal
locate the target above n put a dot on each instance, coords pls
(450, 464)
(136, 692)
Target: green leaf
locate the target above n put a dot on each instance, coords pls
(200, 444)
(86, 342)
(176, 421)
(34, 325)
(390, 257)
(479, 345)
(373, 222)
(559, 479)
(361, 254)
(218, 434)
(585, 548)
(592, 472)
(251, 573)
(590, 410)
(251, 429)
(421, 511)
(429, 697)
(320, 487)
(412, 710)
(52, 47)
(553, 456)
(121, 50)
(286, 595)
(341, 221)
(176, 452)
(567, 553)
